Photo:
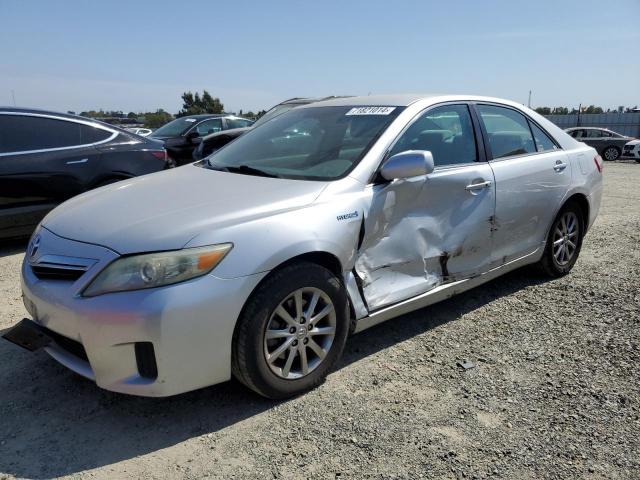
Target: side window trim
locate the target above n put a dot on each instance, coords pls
(478, 140)
(485, 135)
(113, 135)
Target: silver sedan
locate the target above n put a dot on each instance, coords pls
(261, 259)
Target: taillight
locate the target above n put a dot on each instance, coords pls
(160, 154)
(598, 161)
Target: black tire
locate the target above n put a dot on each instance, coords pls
(549, 264)
(249, 364)
(613, 153)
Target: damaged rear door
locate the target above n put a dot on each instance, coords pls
(422, 232)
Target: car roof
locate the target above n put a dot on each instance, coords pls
(307, 100)
(45, 112)
(405, 99)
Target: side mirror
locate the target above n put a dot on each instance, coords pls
(411, 163)
(191, 135)
(197, 140)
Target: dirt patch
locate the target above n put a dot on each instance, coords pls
(555, 391)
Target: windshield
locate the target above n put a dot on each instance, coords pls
(316, 143)
(175, 127)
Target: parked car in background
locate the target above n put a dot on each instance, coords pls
(46, 158)
(632, 150)
(215, 141)
(182, 135)
(143, 132)
(608, 143)
(259, 260)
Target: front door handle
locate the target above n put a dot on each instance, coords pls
(559, 166)
(72, 162)
(476, 186)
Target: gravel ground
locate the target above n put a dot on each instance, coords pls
(554, 392)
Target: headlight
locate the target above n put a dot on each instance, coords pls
(157, 269)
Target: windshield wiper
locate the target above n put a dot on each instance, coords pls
(246, 170)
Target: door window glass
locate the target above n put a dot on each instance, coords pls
(20, 133)
(592, 133)
(209, 126)
(238, 123)
(577, 133)
(508, 131)
(543, 142)
(447, 132)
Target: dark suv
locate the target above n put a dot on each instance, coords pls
(608, 143)
(182, 135)
(46, 158)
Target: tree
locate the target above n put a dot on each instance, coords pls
(194, 104)
(543, 110)
(593, 109)
(157, 119)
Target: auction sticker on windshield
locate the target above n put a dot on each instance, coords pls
(370, 111)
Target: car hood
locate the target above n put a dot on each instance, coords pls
(165, 210)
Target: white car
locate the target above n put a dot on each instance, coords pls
(632, 149)
(261, 259)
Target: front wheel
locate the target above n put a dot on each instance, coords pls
(564, 242)
(291, 332)
(611, 153)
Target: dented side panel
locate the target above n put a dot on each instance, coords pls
(423, 232)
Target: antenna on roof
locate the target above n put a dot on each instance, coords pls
(13, 94)
(529, 103)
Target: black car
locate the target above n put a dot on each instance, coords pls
(608, 143)
(46, 158)
(216, 140)
(182, 135)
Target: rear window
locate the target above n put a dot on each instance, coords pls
(21, 133)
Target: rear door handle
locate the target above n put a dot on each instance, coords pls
(477, 186)
(559, 166)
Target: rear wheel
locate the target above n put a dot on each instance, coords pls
(611, 153)
(291, 332)
(564, 242)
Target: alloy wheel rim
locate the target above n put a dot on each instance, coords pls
(611, 154)
(565, 238)
(300, 333)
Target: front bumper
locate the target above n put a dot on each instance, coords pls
(190, 326)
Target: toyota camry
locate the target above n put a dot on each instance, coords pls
(260, 260)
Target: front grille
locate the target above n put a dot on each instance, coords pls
(73, 347)
(57, 272)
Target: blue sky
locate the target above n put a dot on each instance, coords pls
(141, 55)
